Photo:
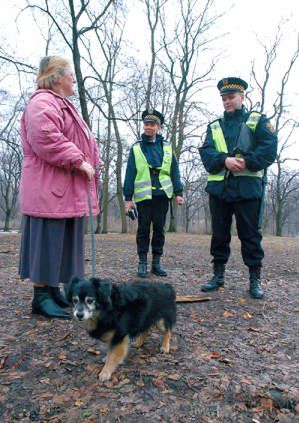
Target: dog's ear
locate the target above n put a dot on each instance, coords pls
(104, 290)
(96, 282)
(70, 287)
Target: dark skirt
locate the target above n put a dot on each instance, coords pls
(52, 250)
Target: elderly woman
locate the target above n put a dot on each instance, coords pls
(59, 166)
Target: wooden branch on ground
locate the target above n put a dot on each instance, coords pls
(191, 298)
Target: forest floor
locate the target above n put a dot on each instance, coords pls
(233, 358)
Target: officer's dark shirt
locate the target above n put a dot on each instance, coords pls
(236, 188)
(153, 152)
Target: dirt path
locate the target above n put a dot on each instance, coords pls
(233, 358)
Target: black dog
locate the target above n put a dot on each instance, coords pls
(119, 313)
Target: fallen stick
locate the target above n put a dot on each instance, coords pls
(191, 298)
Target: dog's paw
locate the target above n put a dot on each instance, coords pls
(137, 343)
(104, 375)
(164, 350)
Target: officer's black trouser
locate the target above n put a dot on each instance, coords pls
(151, 211)
(247, 216)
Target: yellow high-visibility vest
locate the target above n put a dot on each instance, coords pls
(143, 184)
(220, 145)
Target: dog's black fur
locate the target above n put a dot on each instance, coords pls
(117, 313)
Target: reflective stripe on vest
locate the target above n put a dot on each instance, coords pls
(220, 145)
(143, 184)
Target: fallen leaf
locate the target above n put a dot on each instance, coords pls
(79, 402)
(159, 382)
(267, 403)
(59, 399)
(227, 313)
(140, 383)
(64, 336)
(26, 297)
(46, 395)
(93, 351)
(252, 329)
(46, 381)
(62, 356)
(247, 315)
(3, 361)
(174, 376)
(213, 355)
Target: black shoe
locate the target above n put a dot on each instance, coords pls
(142, 270)
(217, 280)
(156, 268)
(255, 289)
(142, 266)
(58, 297)
(44, 304)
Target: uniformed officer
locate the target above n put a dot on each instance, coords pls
(152, 177)
(237, 150)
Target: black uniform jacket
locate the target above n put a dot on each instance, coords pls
(153, 151)
(261, 156)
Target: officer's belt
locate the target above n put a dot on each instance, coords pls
(154, 171)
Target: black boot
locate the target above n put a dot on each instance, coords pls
(255, 289)
(58, 297)
(44, 304)
(156, 268)
(217, 280)
(142, 266)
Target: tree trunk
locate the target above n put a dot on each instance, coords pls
(106, 180)
(187, 217)
(173, 219)
(278, 220)
(99, 221)
(7, 220)
(80, 82)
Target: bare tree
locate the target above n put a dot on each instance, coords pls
(153, 8)
(10, 157)
(66, 22)
(183, 67)
(109, 39)
(282, 179)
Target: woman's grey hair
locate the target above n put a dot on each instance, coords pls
(51, 68)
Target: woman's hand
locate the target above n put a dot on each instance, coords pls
(100, 165)
(179, 200)
(87, 169)
(128, 205)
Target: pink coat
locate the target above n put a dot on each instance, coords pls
(55, 142)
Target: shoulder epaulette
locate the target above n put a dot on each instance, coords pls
(213, 121)
(255, 111)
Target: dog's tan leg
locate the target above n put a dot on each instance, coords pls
(140, 340)
(115, 356)
(165, 342)
(166, 336)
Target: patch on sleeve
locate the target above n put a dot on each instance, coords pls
(270, 127)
